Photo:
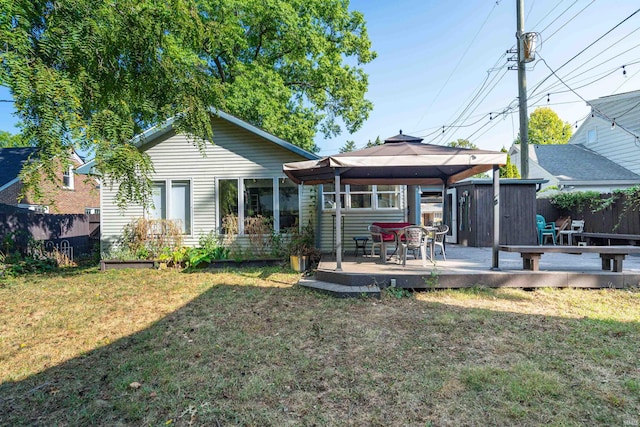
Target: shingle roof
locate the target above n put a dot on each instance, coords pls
(11, 162)
(574, 162)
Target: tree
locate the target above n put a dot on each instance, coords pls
(370, 144)
(8, 140)
(545, 127)
(91, 74)
(510, 170)
(462, 143)
(348, 147)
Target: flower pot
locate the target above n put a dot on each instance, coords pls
(299, 262)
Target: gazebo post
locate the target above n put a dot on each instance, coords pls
(338, 221)
(496, 218)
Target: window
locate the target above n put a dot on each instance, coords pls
(239, 200)
(258, 198)
(177, 203)
(592, 136)
(180, 206)
(362, 197)
(388, 196)
(288, 204)
(329, 196)
(67, 178)
(159, 200)
(228, 205)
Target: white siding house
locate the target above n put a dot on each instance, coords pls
(244, 163)
(618, 143)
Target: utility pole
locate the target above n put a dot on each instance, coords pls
(522, 94)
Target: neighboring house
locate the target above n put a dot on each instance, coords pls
(612, 129)
(240, 175)
(573, 167)
(70, 195)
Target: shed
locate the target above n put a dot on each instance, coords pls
(473, 212)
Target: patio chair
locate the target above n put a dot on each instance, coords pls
(438, 240)
(545, 229)
(412, 238)
(378, 238)
(577, 226)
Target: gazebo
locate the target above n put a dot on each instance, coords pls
(401, 160)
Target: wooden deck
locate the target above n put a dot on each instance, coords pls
(468, 267)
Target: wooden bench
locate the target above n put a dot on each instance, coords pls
(607, 238)
(611, 256)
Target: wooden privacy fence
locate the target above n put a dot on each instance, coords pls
(607, 220)
(80, 232)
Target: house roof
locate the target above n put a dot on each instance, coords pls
(574, 162)
(163, 128)
(11, 162)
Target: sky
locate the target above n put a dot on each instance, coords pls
(439, 65)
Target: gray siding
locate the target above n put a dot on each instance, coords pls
(615, 144)
(236, 153)
(355, 223)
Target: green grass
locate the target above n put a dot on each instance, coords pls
(250, 348)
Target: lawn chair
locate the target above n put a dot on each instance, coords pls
(438, 240)
(412, 238)
(545, 229)
(577, 226)
(378, 238)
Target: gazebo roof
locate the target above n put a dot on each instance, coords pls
(402, 159)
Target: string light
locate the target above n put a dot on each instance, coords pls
(613, 124)
(624, 72)
(548, 95)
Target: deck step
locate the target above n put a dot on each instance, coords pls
(340, 291)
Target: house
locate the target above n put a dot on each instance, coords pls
(574, 167)
(72, 194)
(239, 177)
(612, 130)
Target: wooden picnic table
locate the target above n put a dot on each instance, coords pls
(611, 256)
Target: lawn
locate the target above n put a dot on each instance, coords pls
(250, 348)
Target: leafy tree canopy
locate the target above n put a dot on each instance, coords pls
(8, 140)
(463, 143)
(545, 127)
(91, 74)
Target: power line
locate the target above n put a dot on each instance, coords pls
(459, 62)
(596, 109)
(589, 46)
(569, 21)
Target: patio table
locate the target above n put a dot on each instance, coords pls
(395, 231)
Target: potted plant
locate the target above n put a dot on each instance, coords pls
(302, 248)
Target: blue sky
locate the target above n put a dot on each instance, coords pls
(433, 58)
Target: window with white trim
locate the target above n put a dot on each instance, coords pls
(288, 204)
(67, 178)
(239, 199)
(362, 196)
(174, 204)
